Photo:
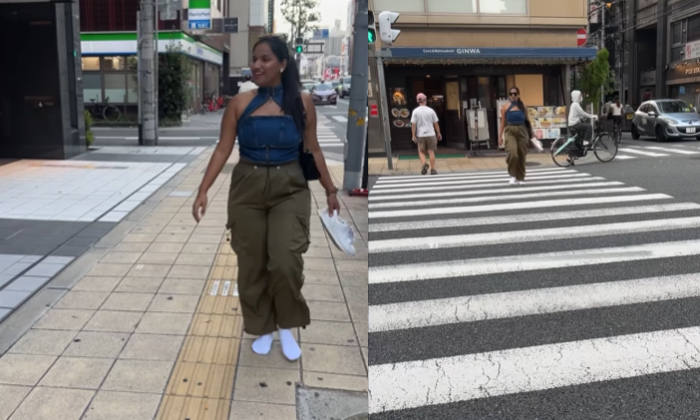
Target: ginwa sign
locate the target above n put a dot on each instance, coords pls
(451, 51)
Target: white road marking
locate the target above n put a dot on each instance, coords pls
(531, 235)
(548, 260)
(413, 204)
(340, 119)
(642, 152)
(482, 175)
(428, 313)
(679, 151)
(404, 385)
(624, 157)
(516, 206)
(539, 217)
(476, 180)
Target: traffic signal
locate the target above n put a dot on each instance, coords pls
(299, 45)
(386, 34)
(371, 30)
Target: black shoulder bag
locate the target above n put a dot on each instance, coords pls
(306, 160)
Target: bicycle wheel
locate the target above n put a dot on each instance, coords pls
(112, 113)
(605, 148)
(558, 158)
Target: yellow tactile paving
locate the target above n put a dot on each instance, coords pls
(201, 384)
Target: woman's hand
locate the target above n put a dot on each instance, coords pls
(199, 208)
(333, 204)
(500, 143)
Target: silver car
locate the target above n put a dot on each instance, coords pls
(666, 119)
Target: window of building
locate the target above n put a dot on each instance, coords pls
(91, 63)
(677, 33)
(451, 6)
(403, 6)
(115, 63)
(693, 30)
(115, 88)
(505, 7)
(92, 88)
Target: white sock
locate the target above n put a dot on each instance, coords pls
(290, 348)
(263, 344)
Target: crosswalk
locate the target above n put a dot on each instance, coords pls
(326, 136)
(519, 302)
(627, 152)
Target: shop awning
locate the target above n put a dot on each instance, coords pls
(454, 55)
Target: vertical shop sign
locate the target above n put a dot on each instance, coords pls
(199, 14)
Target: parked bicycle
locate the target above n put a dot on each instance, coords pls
(104, 111)
(603, 146)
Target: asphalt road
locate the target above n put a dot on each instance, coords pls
(203, 130)
(575, 296)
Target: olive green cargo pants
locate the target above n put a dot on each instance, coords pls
(268, 213)
(517, 141)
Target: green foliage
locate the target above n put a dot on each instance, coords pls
(89, 136)
(301, 15)
(594, 75)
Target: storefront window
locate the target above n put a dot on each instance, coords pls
(505, 7)
(115, 63)
(132, 91)
(91, 63)
(405, 6)
(115, 88)
(92, 87)
(451, 6)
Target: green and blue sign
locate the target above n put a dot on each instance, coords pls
(199, 14)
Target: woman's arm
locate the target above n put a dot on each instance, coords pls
(503, 125)
(311, 143)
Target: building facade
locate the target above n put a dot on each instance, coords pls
(465, 55)
(253, 21)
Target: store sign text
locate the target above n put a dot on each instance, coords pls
(460, 51)
(692, 50)
(694, 70)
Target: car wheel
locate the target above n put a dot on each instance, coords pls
(635, 133)
(660, 136)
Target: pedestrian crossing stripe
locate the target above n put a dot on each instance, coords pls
(431, 274)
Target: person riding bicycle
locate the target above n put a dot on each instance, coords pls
(576, 113)
(615, 112)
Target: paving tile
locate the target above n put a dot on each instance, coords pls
(10, 398)
(328, 311)
(323, 292)
(27, 284)
(97, 284)
(77, 299)
(47, 342)
(200, 249)
(268, 385)
(335, 381)
(327, 332)
(5, 278)
(112, 405)
(152, 257)
(362, 331)
(132, 246)
(153, 347)
(358, 313)
(164, 323)
(352, 265)
(275, 359)
(322, 264)
(4, 312)
(57, 260)
(244, 410)
(77, 372)
(140, 237)
(149, 270)
(138, 376)
(353, 278)
(166, 247)
(140, 284)
(45, 270)
(195, 259)
(189, 271)
(332, 359)
(11, 299)
(53, 404)
(111, 270)
(97, 344)
(16, 268)
(121, 257)
(114, 321)
(182, 286)
(30, 258)
(64, 319)
(120, 301)
(24, 369)
(170, 302)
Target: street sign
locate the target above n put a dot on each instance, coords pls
(320, 34)
(581, 37)
(199, 14)
(231, 25)
(311, 48)
(373, 111)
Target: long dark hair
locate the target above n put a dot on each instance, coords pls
(291, 84)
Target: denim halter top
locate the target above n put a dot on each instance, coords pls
(515, 117)
(267, 139)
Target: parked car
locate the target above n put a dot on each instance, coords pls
(336, 87)
(666, 119)
(323, 93)
(344, 89)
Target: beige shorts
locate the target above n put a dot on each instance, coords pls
(428, 143)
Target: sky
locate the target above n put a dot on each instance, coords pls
(330, 10)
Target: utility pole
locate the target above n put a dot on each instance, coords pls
(603, 9)
(146, 68)
(357, 110)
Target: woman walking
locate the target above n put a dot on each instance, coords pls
(269, 204)
(516, 132)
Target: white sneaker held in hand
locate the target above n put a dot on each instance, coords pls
(340, 231)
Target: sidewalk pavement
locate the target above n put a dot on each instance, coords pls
(146, 324)
(380, 167)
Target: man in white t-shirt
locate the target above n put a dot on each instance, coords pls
(247, 85)
(426, 132)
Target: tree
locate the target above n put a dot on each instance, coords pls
(595, 75)
(301, 15)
